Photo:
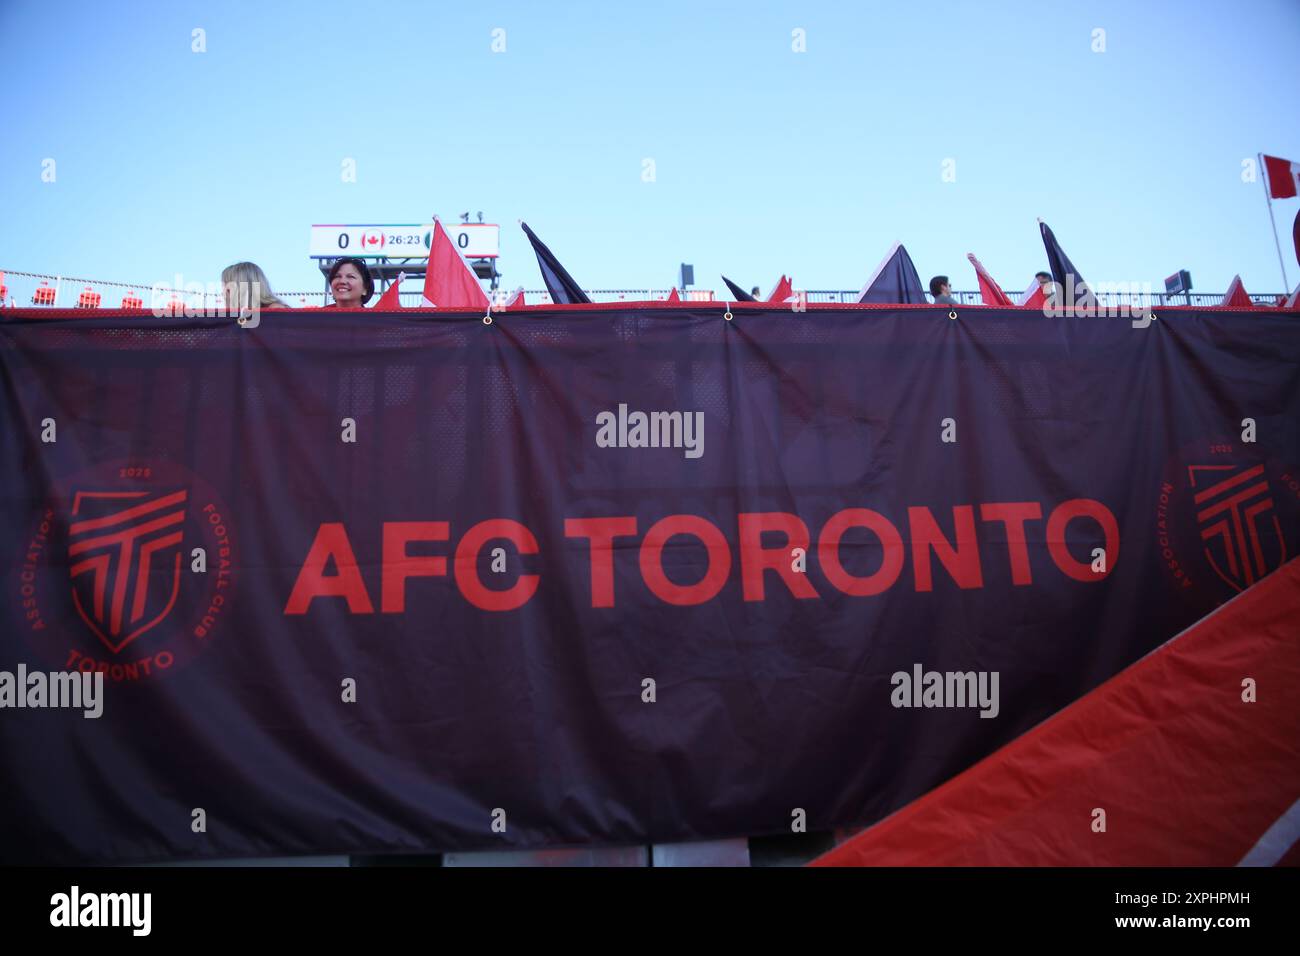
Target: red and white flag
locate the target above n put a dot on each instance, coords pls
(1283, 177)
(1236, 295)
(502, 299)
(1035, 297)
(449, 282)
(390, 299)
(782, 292)
(990, 292)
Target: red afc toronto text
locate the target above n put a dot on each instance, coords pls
(330, 569)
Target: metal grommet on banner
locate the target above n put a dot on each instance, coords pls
(727, 315)
(1153, 316)
(953, 315)
(487, 320)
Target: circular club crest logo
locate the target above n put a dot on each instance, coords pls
(1226, 516)
(129, 571)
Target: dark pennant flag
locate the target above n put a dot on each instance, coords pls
(895, 281)
(559, 283)
(1058, 261)
(739, 294)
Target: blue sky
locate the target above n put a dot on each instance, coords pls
(766, 160)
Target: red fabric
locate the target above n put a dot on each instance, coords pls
(1283, 177)
(1291, 857)
(990, 292)
(673, 296)
(782, 291)
(1188, 773)
(449, 283)
(1034, 298)
(390, 299)
(1236, 295)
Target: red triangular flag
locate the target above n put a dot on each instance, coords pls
(516, 298)
(782, 291)
(1236, 295)
(390, 298)
(990, 292)
(1143, 746)
(673, 296)
(449, 283)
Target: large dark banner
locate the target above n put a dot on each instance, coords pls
(415, 582)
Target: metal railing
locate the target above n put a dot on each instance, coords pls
(22, 289)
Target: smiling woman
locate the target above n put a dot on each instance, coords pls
(350, 283)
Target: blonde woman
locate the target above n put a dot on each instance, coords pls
(247, 289)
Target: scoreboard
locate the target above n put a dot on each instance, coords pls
(405, 241)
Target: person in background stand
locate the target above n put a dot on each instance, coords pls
(238, 282)
(1046, 284)
(942, 291)
(350, 283)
